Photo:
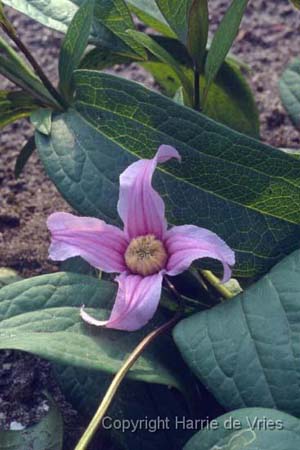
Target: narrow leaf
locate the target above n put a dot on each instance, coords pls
(289, 86)
(223, 39)
(4, 22)
(24, 156)
(198, 31)
(74, 45)
(165, 57)
(114, 16)
(176, 14)
(15, 105)
(148, 12)
(13, 67)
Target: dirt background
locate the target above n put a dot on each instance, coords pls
(268, 39)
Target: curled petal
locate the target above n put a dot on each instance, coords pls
(136, 302)
(140, 207)
(101, 245)
(187, 243)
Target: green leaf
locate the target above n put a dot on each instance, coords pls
(100, 58)
(41, 315)
(251, 428)
(24, 156)
(246, 350)
(223, 39)
(296, 3)
(114, 16)
(242, 189)
(198, 31)
(229, 101)
(177, 15)
(134, 401)
(111, 20)
(45, 435)
(4, 22)
(166, 58)
(8, 276)
(148, 12)
(41, 119)
(15, 105)
(289, 86)
(74, 45)
(16, 70)
(56, 14)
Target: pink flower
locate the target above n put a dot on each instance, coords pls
(143, 252)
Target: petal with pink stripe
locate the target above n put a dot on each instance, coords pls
(140, 207)
(101, 245)
(136, 302)
(187, 243)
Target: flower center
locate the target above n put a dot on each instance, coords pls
(145, 255)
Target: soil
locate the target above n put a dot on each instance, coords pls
(268, 39)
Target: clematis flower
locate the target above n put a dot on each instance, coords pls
(143, 252)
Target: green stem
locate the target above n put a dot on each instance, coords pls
(215, 282)
(39, 71)
(120, 375)
(197, 105)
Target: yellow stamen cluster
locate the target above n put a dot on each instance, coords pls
(145, 255)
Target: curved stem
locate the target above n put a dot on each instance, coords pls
(215, 282)
(118, 378)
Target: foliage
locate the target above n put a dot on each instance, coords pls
(289, 86)
(88, 129)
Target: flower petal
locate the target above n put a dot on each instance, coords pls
(102, 245)
(140, 207)
(137, 300)
(187, 243)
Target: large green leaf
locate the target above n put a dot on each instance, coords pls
(45, 435)
(223, 39)
(246, 351)
(251, 428)
(134, 401)
(24, 156)
(15, 105)
(289, 86)
(244, 190)
(41, 316)
(74, 45)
